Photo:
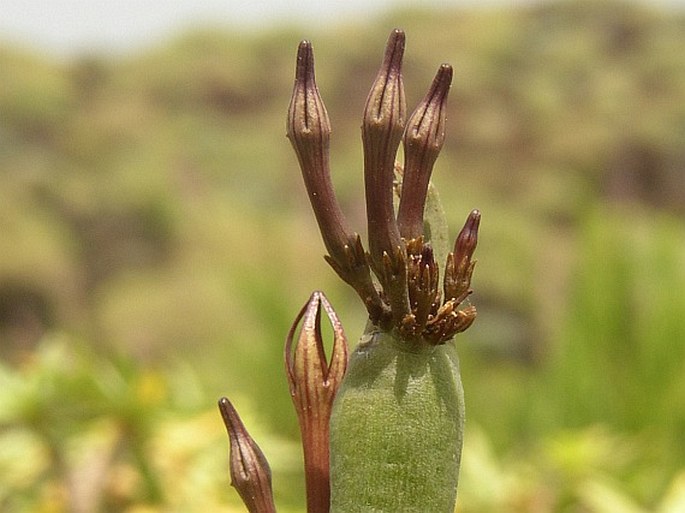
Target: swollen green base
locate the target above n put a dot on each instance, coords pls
(397, 429)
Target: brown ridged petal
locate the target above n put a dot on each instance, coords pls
(250, 472)
(313, 382)
(423, 140)
(308, 129)
(382, 128)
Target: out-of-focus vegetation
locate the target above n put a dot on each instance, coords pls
(156, 243)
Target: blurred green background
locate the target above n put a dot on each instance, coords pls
(156, 244)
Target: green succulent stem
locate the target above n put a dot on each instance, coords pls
(397, 428)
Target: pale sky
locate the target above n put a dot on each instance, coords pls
(72, 26)
(66, 27)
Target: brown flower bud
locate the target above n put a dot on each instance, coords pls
(313, 383)
(309, 129)
(250, 472)
(382, 127)
(460, 263)
(423, 140)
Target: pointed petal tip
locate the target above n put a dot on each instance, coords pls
(474, 218)
(397, 37)
(394, 51)
(305, 62)
(444, 74)
(467, 239)
(234, 424)
(441, 85)
(228, 413)
(317, 296)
